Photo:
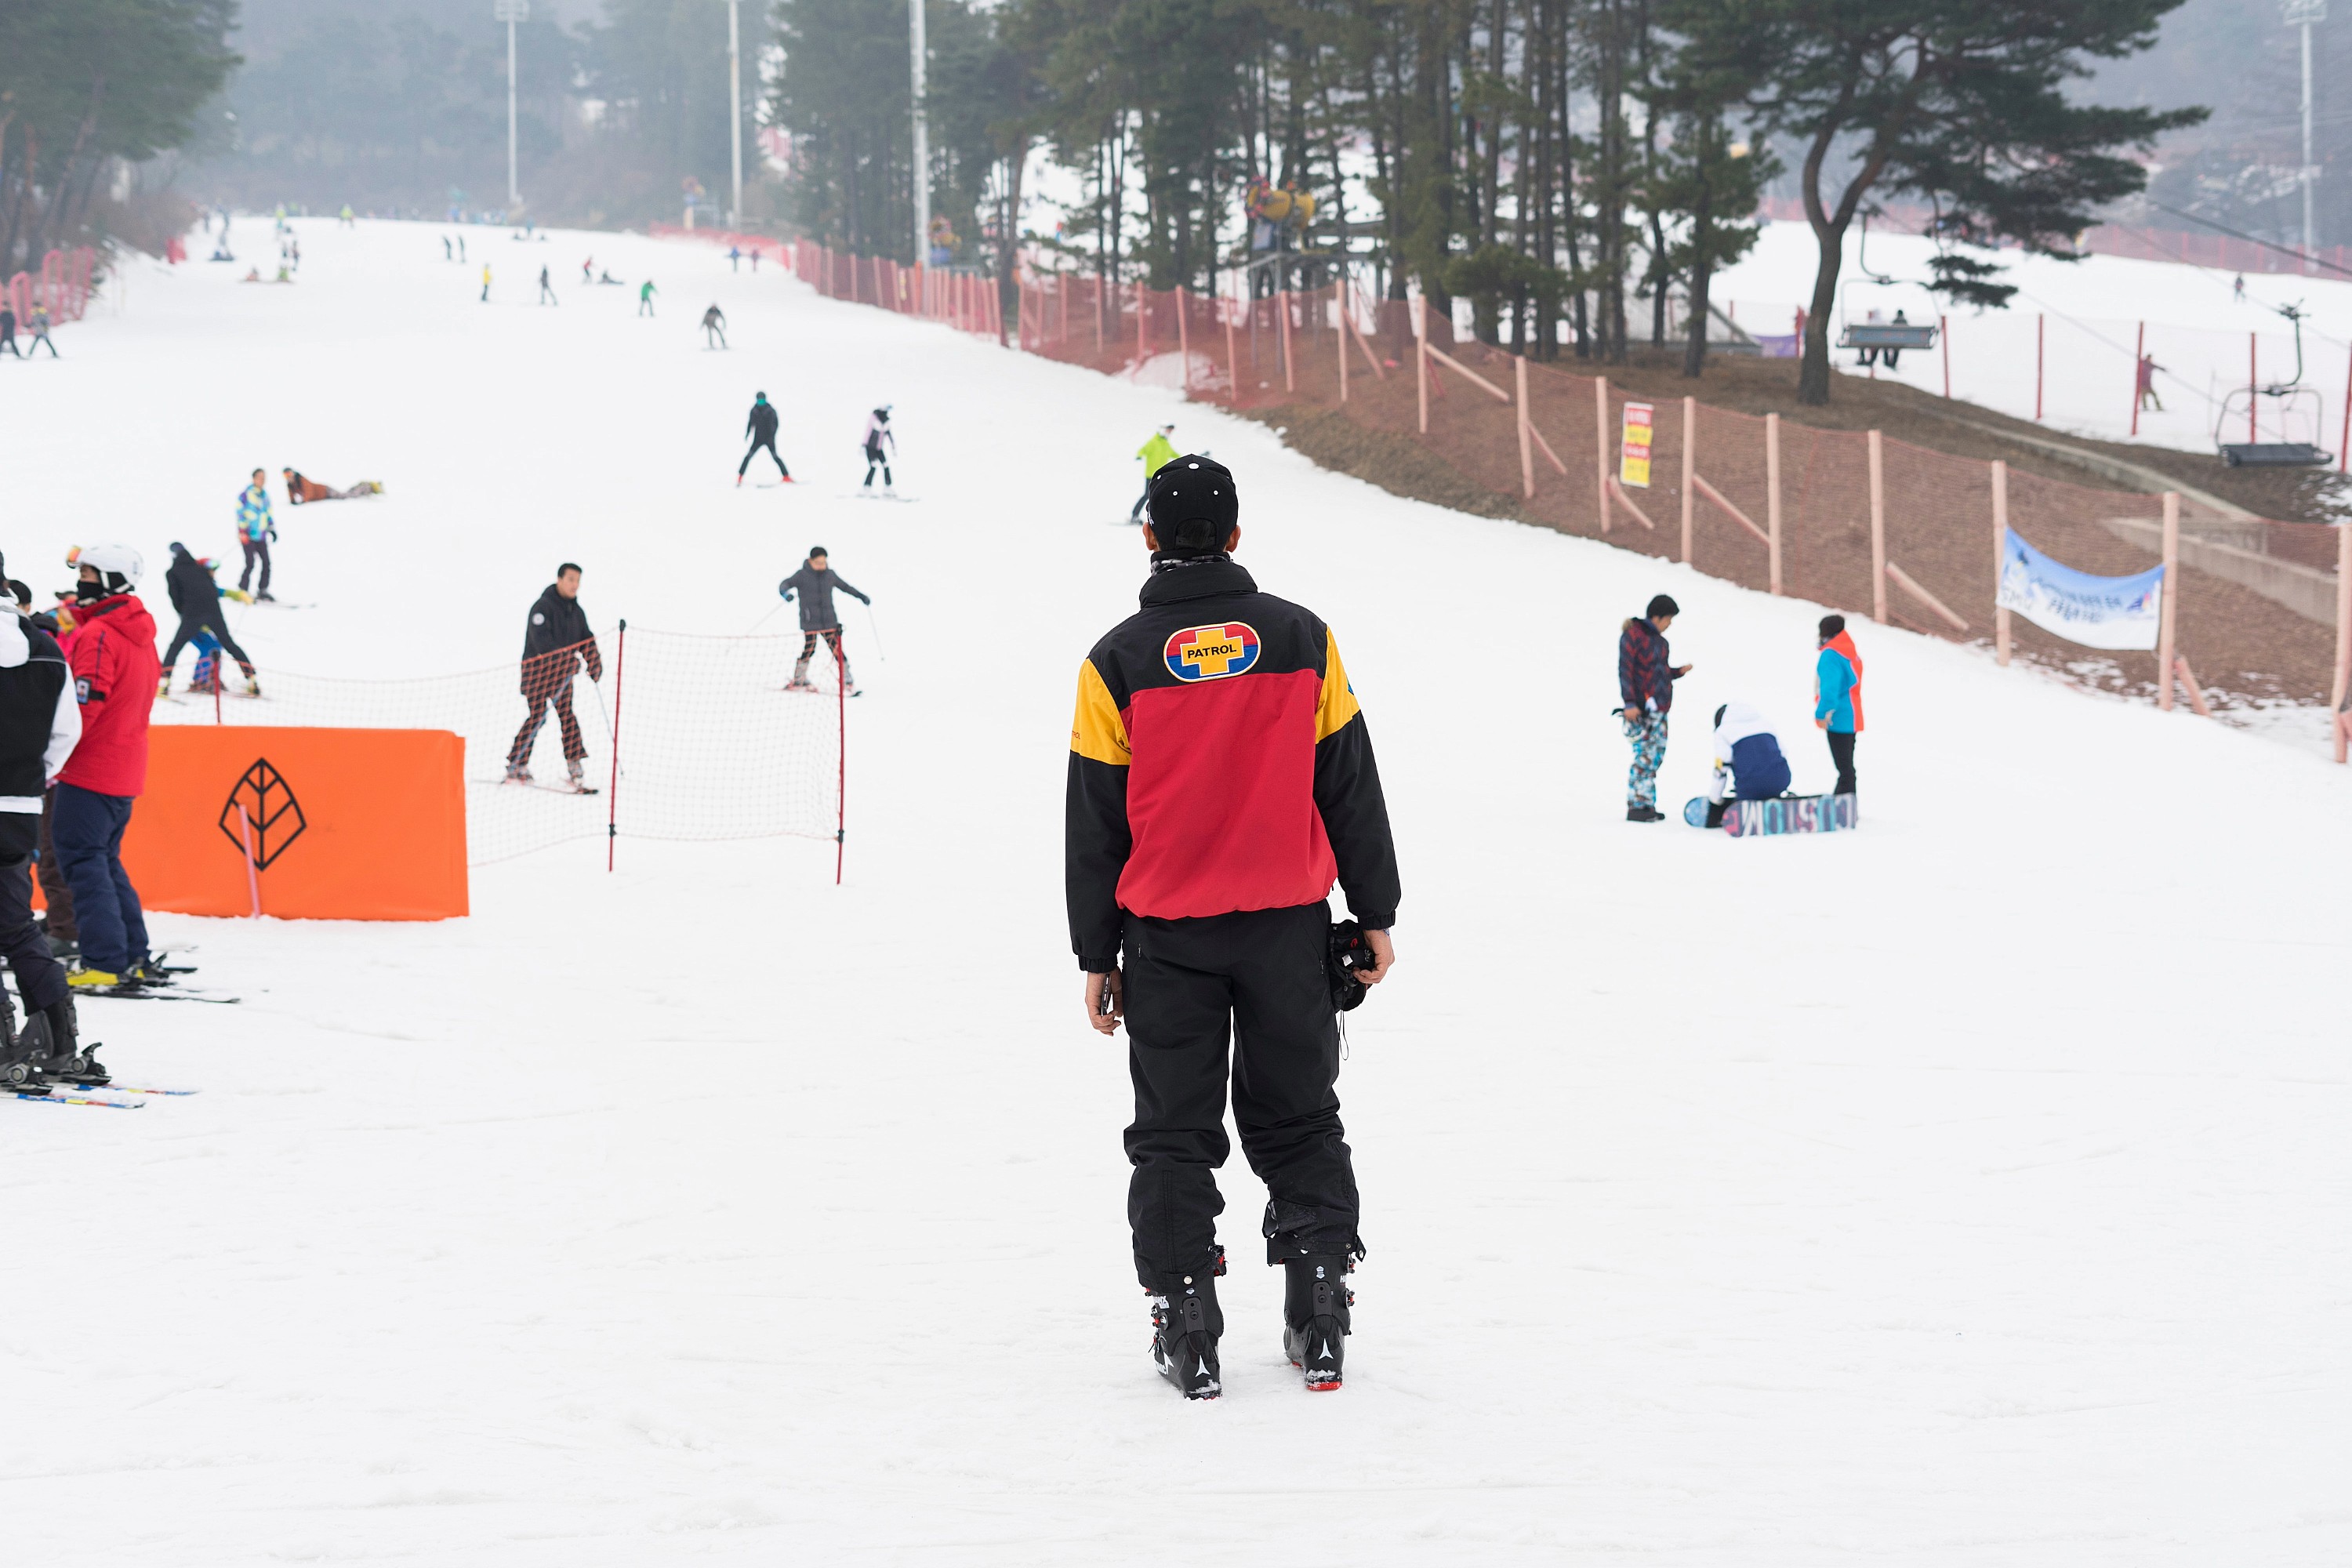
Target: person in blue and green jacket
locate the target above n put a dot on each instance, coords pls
(1837, 696)
(255, 529)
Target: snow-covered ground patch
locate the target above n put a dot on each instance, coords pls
(1965, 1190)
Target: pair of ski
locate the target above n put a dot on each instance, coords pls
(550, 788)
(88, 1094)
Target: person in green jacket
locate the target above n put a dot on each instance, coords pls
(1156, 454)
(646, 298)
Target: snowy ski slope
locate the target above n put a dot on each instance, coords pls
(1966, 1190)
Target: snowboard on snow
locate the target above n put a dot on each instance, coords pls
(1788, 814)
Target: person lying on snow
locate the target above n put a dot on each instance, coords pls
(299, 490)
(1748, 759)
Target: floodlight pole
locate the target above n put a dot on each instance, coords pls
(735, 109)
(918, 51)
(511, 12)
(2301, 15)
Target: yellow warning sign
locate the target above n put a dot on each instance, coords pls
(1634, 461)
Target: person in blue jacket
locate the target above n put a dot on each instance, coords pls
(1837, 696)
(1748, 759)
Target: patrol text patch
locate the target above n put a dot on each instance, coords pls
(1212, 653)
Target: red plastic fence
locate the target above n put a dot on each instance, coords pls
(63, 284)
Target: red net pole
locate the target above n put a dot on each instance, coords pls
(613, 789)
(841, 750)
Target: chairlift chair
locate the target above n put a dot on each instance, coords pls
(1872, 339)
(2294, 408)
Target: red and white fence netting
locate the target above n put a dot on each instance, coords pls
(683, 737)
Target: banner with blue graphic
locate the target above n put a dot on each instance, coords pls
(2097, 612)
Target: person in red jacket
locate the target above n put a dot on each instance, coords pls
(115, 669)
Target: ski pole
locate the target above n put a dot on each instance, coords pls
(762, 621)
(876, 628)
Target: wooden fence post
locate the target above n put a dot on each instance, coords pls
(1343, 338)
(1999, 559)
(2343, 632)
(1690, 467)
(1772, 497)
(1527, 448)
(1232, 363)
(1185, 337)
(1600, 447)
(2167, 619)
(1289, 377)
(1421, 356)
(1877, 529)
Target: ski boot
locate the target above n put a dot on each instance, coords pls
(518, 773)
(1314, 1316)
(1185, 1323)
(20, 1055)
(81, 977)
(572, 772)
(800, 680)
(55, 1035)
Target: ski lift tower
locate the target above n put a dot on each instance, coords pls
(2302, 14)
(511, 12)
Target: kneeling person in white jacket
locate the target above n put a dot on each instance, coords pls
(1748, 759)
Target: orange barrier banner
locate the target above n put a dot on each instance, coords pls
(351, 825)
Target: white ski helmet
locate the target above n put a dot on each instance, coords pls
(119, 567)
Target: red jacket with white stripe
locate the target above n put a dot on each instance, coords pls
(1219, 762)
(115, 669)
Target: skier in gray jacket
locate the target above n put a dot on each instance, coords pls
(815, 582)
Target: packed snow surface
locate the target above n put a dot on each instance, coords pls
(1970, 1189)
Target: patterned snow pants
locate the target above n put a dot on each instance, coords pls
(1648, 734)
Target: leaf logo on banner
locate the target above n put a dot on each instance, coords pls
(269, 805)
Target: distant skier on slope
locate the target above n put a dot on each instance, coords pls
(555, 641)
(714, 328)
(1837, 696)
(255, 529)
(646, 298)
(760, 426)
(877, 432)
(1221, 779)
(1749, 762)
(486, 283)
(814, 583)
(194, 595)
(588, 271)
(547, 290)
(1156, 453)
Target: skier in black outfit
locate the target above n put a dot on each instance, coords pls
(198, 598)
(8, 330)
(39, 724)
(1221, 778)
(814, 583)
(761, 426)
(554, 642)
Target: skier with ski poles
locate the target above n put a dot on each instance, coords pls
(555, 641)
(877, 431)
(1221, 778)
(646, 298)
(760, 424)
(714, 328)
(814, 583)
(40, 724)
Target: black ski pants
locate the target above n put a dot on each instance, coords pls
(1842, 753)
(55, 891)
(574, 748)
(769, 443)
(1253, 986)
(190, 626)
(256, 549)
(875, 459)
(40, 978)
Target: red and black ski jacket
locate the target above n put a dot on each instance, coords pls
(1219, 762)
